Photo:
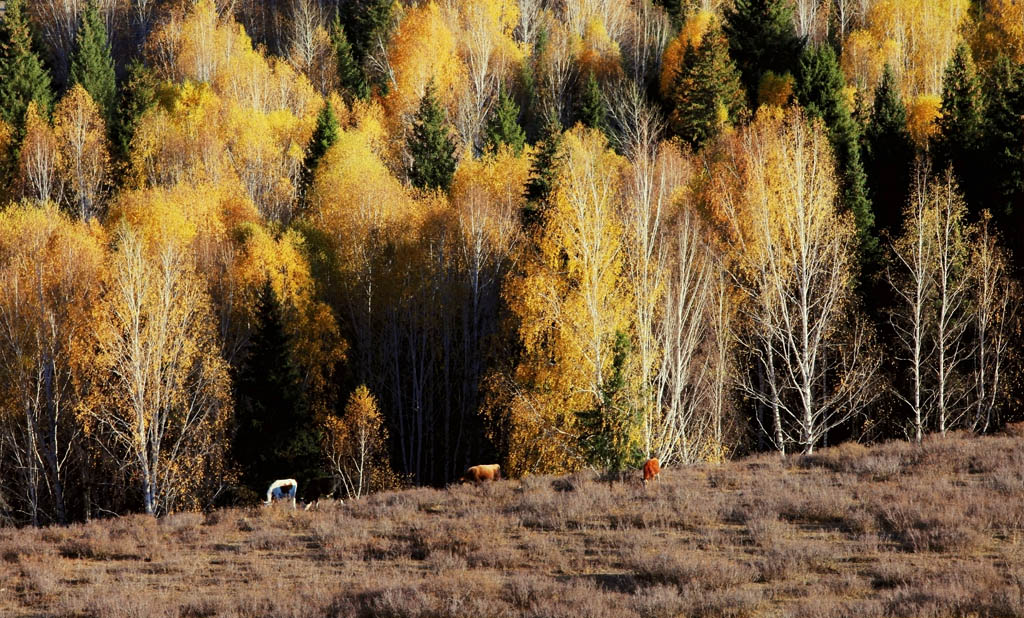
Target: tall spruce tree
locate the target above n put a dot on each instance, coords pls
(543, 173)
(592, 112)
(276, 434)
(957, 141)
(431, 145)
(324, 136)
(706, 92)
(820, 90)
(350, 74)
(92, 64)
(137, 94)
(762, 38)
(503, 125)
(23, 77)
(888, 154)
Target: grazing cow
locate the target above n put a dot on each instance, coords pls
(315, 490)
(652, 468)
(284, 489)
(477, 474)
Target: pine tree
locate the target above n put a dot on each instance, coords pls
(761, 38)
(324, 136)
(888, 154)
(275, 425)
(543, 172)
(503, 125)
(137, 94)
(350, 74)
(592, 112)
(706, 93)
(957, 141)
(431, 146)
(23, 77)
(819, 88)
(92, 64)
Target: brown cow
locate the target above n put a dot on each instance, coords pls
(652, 468)
(476, 474)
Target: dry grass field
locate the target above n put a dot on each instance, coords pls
(893, 530)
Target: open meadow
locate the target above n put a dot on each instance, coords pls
(892, 530)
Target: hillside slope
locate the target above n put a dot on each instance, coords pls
(935, 530)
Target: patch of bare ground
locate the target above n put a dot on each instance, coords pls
(893, 530)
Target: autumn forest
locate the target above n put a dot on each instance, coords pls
(367, 243)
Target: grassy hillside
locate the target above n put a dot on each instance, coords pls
(900, 530)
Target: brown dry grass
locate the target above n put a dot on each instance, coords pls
(894, 530)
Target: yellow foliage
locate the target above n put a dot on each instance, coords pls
(81, 138)
(599, 53)
(922, 114)
(423, 48)
(916, 37)
(774, 90)
(1001, 31)
(40, 158)
(356, 446)
(569, 309)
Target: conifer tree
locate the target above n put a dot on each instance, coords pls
(706, 93)
(592, 111)
(137, 94)
(543, 172)
(888, 154)
(819, 89)
(365, 22)
(92, 64)
(957, 141)
(503, 125)
(23, 77)
(275, 425)
(350, 73)
(324, 136)
(1004, 137)
(761, 38)
(431, 146)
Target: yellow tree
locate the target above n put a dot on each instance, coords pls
(40, 158)
(570, 316)
(51, 275)
(813, 366)
(81, 139)
(356, 445)
(167, 405)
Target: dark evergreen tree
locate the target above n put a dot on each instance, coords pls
(762, 38)
(503, 125)
(592, 112)
(365, 22)
(276, 435)
(543, 172)
(1003, 146)
(957, 141)
(888, 154)
(819, 88)
(705, 85)
(324, 136)
(137, 94)
(350, 74)
(23, 77)
(608, 427)
(678, 10)
(431, 146)
(92, 65)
